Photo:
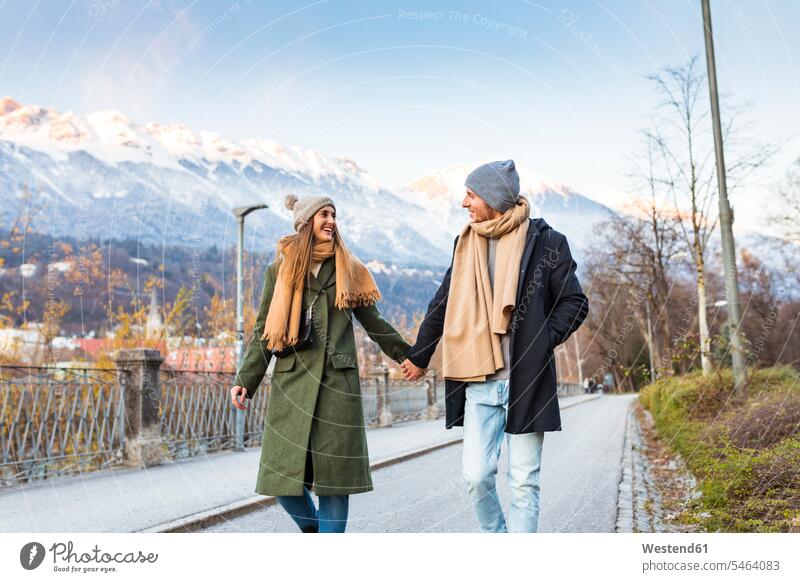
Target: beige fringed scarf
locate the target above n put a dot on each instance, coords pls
(476, 315)
(354, 287)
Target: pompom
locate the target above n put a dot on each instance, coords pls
(291, 199)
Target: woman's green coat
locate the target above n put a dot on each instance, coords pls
(315, 399)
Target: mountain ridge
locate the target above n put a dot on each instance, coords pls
(165, 182)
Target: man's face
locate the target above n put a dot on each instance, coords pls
(477, 207)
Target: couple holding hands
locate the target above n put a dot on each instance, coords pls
(508, 299)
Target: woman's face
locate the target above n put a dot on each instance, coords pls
(324, 224)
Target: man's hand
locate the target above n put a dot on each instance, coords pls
(412, 372)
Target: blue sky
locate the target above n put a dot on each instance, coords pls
(406, 88)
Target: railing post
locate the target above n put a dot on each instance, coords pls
(432, 411)
(138, 369)
(385, 417)
(238, 429)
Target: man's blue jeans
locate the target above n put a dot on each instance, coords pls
(485, 414)
(330, 518)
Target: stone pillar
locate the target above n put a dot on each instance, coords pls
(137, 371)
(432, 411)
(385, 417)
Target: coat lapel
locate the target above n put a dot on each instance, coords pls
(325, 276)
(312, 283)
(530, 242)
(328, 277)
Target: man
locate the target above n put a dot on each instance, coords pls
(508, 299)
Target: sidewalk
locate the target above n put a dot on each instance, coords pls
(128, 500)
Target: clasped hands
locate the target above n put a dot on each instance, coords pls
(412, 372)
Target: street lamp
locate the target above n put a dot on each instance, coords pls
(580, 360)
(650, 341)
(240, 213)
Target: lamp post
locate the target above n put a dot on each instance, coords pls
(240, 213)
(650, 341)
(725, 217)
(580, 361)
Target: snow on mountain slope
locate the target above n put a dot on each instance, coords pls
(564, 209)
(169, 183)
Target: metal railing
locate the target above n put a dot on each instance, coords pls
(56, 421)
(403, 400)
(570, 389)
(197, 415)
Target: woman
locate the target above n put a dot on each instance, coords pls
(314, 427)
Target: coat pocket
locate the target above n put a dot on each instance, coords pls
(285, 363)
(343, 361)
(347, 365)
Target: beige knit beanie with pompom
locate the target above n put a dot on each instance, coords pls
(305, 208)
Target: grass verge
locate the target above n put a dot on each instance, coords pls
(744, 450)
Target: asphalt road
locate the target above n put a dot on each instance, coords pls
(581, 470)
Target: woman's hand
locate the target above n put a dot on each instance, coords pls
(239, 397)
(412, 372)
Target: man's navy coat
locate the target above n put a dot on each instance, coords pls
(550, 306)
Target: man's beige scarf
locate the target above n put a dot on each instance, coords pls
(477, 316)
(354, 287)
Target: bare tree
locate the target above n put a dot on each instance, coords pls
(787, 214)
(655, 244)
(619, 292)
(682, 134)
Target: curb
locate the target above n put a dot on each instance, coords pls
(625, 509)
(216, 515)
(204, 519)
(638, 504)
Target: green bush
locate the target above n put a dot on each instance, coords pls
(743, 450)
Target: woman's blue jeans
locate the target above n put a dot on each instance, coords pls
(331, 517)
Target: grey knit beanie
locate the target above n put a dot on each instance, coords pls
(304, 209)
(497, 183)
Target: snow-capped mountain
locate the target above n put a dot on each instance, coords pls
(104, 175)
(564, 209)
